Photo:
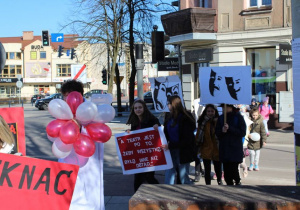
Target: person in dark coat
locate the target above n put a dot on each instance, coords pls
(230, 135)
(179, 130)
(139, 118)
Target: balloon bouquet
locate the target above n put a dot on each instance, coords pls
(70, 142)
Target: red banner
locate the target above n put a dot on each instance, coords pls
(140, 150)
(15, 119)
(29, 183)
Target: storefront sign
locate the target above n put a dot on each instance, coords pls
(285, 54)
(37, 47)
(30, 183)
(37, 80)
(10, 80)
(169, 64)
(198, 56)
(140, 151)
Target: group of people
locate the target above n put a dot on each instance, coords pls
(219, 140)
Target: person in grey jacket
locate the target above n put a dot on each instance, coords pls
(254, 146)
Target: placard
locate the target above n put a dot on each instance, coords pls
(140, 151)
(226, 84)
(29, 183)
(14, 117)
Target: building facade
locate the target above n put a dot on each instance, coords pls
(235, 33)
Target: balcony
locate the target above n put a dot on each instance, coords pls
(191, 20)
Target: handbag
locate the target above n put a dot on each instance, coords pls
(246, 152)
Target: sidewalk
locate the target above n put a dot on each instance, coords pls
(118, 188)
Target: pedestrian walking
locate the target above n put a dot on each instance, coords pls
(140, 117)
(179, 130)
(255, 145)
(230, 134)
(265, 110)
(207, 142)
(253, 103)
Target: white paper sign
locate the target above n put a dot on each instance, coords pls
(228, 84)
(140, 151)
(162, 88)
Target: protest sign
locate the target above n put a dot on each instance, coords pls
(14, 117)
(162, 88)
(29, 183)
(227, 84)
(140, 151)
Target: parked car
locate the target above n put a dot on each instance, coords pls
(148, 97)
(36, 97)
(95, 91)
(42, 104)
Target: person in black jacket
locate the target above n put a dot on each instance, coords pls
(230, 135)
(179, 130)
(139, 118)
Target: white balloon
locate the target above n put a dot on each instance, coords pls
(86, 112)
(255, 136)
(57, 152)
(52, 138)
(62, 146)
(102, 98)
(60, 109)
(76, 159)
(106, 113)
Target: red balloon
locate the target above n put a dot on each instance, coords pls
(99, 132)
(84, 146)
(69, 132)
(54, 127)
(74, 99)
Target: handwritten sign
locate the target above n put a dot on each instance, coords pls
(140, 151)
(14, 117)
(29, 183)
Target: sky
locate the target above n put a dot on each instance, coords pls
(33, 15)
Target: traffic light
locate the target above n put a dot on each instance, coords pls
(158, 46)
(104, 76)
(45, 38)
(60, 50)
(73, 54)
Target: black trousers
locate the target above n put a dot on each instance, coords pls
(231, 172)
(207, 169)
(147, 177)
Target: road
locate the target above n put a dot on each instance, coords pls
(276, 162)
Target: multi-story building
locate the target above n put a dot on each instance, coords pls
(235, 33)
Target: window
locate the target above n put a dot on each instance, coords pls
(42, 54)
(259, 3)
(11, 71)
(263, 62)
(13, 56)
(33, 55)
(9, 91)
(205, 3)
(63, 70)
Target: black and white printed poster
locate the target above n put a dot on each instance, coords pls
(162, 88)
(227, 84)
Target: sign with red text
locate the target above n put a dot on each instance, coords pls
(140, 151)
(29, 183)
(14, 117)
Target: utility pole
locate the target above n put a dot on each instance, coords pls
(140, 64)
(296, 76)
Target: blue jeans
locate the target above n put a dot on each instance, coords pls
(182, 168)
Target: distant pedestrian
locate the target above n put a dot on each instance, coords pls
(140, 117)
(254, 146)
(179, 130)
(230, 135)
(265, 110)
(208, 144)
(253, 103)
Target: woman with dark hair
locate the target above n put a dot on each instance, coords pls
(140, 117)
(7, 140)
(179, 129)
(207, 142)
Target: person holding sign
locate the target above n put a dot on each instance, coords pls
(139, 118)
(6, 138)
(230, 133)
(179, 129)
(207, 142)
